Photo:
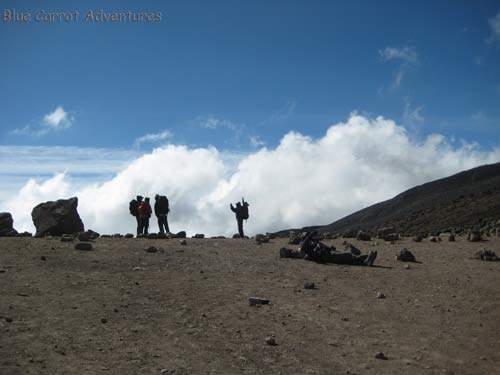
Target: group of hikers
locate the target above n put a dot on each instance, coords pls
(140, 208)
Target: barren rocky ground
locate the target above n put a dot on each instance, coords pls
(184, 310)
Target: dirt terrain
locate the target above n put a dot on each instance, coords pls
(184, 310)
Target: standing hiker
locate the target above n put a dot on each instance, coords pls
(144, 215)
(133, 207)
(161, 211)
(241, 213)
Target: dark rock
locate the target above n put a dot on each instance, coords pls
(474, 236)
(181, 234)
(380, 295)
(236, 235)
(57, 217)
(418, 238)
(7, 225)
(104, 320)
(129, 235)
(8, 319)
(271, 341)
(152, 236)
(43, 258)
(309, 285)
(252, 301)
(151, 249)
(391, 237)
(405, 255)
(434, 239)
(84, 246)
(183, 242)
(162, 236)
(451, 238)
(487, 255)
(380, 355)
(363, 236)
(117, 235)
(85, 236)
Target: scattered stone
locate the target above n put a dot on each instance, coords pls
(199, 235)
(181, 234)
(418, 238)
(474, 236)
(57, 217)
(162, 235)
(7, 225)
(407, 266)
(152, 236)
(405, 255)
(252, 301)
(129, 235)
(183, 242)
(151, 249)
(382, 233)
(261, 238)
(8, 319)
(271, 341)
(434, 239)
(380, 295)
(380, 355)
(138, 269)
(117, 235)
(309, 285)
(363, 236)
(85, 236)
(104, 320)
(84, 246)
(43, 258)
(392, 237)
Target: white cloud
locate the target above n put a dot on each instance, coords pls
(406, 55)
(56, 120)
(303, 181)
(495, 29)
(257, 141)
(153, 138)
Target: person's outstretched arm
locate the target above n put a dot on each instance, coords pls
(232, 208)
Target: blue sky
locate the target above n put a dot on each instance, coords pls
(226, 94)
(261, 68)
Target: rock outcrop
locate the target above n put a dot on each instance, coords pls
(56, 218)
(7, 225)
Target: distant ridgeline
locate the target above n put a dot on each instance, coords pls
(469, 199)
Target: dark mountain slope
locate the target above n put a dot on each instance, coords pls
(463, 200)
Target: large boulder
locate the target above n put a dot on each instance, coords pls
(7, 225)
(57, 218)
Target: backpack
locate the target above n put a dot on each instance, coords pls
(165, 204)
(244, 212)
(133, 207)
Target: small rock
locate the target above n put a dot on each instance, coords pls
(67, 238)
(252, 301)
(129, 235)
(380, 295)
(43, 258)
(151, 249)
(199, 235)
(8, 319)
(271, 341)
(104, 320)
(309, 285)
(85, 236)
(84, 246)
(407, 266)
(380, 355)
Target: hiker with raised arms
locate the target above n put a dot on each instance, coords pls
(241, 213)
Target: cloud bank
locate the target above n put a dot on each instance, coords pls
(303, 181)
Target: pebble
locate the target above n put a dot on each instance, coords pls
(271, 341)
(183, 242)
(43, 258)
(380, 295)
(257, 301)
(380, 355)
(309, 285)
(104, 320)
